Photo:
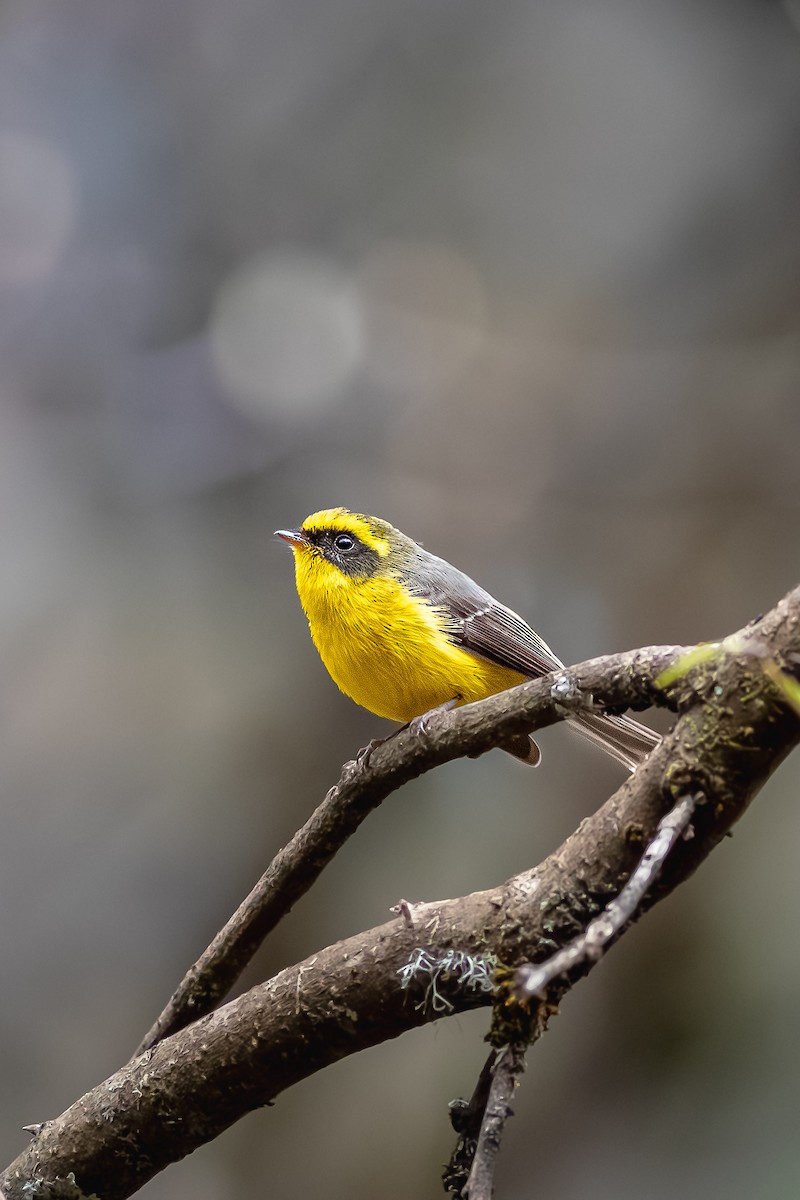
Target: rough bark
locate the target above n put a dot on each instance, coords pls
(626, 680)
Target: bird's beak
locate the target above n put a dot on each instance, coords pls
(295, 537)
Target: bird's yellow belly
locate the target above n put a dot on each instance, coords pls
(389, 651)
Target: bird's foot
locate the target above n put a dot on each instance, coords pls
(415, 726)
(420, 724)
(366, 752)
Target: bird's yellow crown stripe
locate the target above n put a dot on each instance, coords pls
(348, 522)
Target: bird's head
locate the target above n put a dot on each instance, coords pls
(337, 545)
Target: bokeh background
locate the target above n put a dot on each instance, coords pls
(524, 279)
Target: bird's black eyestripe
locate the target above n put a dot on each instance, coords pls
(345, 551)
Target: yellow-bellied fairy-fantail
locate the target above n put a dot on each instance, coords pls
(402, 632)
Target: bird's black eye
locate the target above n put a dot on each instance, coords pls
(343, 542)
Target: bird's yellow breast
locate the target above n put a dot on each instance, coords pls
(386, 648)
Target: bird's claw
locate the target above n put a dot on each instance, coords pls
(415, 726)
(420, 724)
(366, 752)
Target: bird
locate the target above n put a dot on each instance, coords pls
(402, 632)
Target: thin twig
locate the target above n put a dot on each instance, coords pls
(533, 979)
(467, 1119)
(508, 1066)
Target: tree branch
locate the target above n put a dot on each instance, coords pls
(615, 681)
(735, 727)
(508, 1065)
(480, 1124)
(532, 981)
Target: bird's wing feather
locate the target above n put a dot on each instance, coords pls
(478, 622)
(499, 634)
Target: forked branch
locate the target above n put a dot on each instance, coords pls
(615, 681)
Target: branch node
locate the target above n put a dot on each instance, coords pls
(565, 692)
(407, 911)
(35, 1129)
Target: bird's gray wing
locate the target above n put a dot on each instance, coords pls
(478, 622)
(502, 636)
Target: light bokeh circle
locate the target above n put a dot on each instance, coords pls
(286, 333)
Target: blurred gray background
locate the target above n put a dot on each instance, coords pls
(523, 279)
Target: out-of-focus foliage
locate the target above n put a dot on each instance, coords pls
(521, 278)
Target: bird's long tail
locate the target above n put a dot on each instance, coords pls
(624, 739)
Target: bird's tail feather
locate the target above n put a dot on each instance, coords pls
(626, 740)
